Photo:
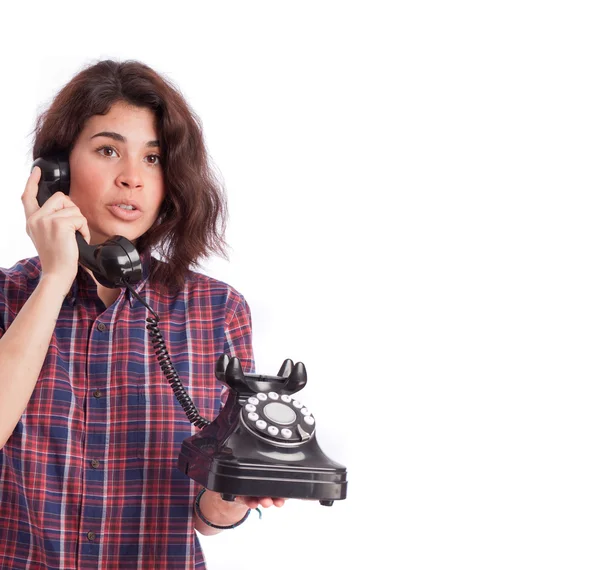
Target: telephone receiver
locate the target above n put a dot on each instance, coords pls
(113, 262)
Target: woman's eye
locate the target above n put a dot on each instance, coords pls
(107, 151)
(153, 159)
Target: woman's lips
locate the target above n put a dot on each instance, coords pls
(123, 214)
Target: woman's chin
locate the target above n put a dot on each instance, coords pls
(98, 237)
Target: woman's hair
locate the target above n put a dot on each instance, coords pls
(191, 222)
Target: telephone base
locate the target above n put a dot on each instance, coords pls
(260, 474)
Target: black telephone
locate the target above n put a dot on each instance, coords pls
(114, 262)
(263, 442)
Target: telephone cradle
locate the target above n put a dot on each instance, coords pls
(263, 442)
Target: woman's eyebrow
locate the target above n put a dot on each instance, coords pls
(121, 138)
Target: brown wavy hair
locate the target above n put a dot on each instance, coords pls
(191, 223)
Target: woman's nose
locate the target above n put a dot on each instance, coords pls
(130, 177)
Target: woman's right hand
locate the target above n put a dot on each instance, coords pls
(52, 229)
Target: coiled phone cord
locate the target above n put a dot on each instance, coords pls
(160, 348)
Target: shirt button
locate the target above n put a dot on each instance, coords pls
(97, 394)
(101, 327)
(91, 535)
(95, 463)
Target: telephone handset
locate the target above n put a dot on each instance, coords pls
(263, 442)
(114, 262)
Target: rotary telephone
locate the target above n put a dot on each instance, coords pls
(263, 441)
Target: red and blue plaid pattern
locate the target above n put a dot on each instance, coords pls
(89, 477)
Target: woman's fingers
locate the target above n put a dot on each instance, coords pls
(265, 502)
(52, 229)
(29, 196)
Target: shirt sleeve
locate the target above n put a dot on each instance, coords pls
(238, 335)
(238, 332)
(8, 309)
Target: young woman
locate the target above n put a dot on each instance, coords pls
(90, 429)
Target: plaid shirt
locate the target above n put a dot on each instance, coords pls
(89, 478)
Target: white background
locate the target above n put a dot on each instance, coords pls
(414, 210)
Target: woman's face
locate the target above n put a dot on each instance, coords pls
(116, 173)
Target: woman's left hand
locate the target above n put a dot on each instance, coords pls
(266, 502)
(223, 513)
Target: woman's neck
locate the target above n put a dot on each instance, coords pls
(107, 295)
